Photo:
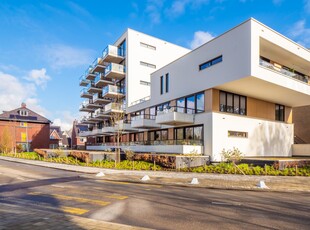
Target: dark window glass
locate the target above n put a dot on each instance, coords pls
(190, 104)
(232, 103)
(198, 133)
(122, 49)
(242, 105)
(179, 133)
(222, 101)
(279, 112)
(181, 105)
(189, 133)
(167, 82)
(151, 136)
(236, 104)
(161, 85)
(152, 111)
(229, 105)
(200, 102)
(164, 135)
(157, 135)
(211, 62)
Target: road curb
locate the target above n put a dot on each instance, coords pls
(224, 178)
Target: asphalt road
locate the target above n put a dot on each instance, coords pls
(150, 206)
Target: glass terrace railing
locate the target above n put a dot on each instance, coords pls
(112, 50)
(292, 74)
(110, 89)
(155, 142)
(115, 67)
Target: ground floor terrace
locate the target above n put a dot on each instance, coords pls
(209, 134)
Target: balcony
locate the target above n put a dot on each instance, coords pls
(99, 114)
(112, 54)
(125, 126)
(91, 88)
(83, 81)
(85, 94)
(144, 121)
(175, 116)
(101, 80)
(98, 65)
(94, 132)
(109, 129)
(284, 70)
(115, 71)
(112, 91)
(165, 146)
(89, 74)
(85, 120)
(100, 100)
(113, 108)
(84, 107)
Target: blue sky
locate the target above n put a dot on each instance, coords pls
(46, 45)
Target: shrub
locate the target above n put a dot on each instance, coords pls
(234, 155)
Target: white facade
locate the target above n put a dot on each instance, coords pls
(240, 72)
(264, 74)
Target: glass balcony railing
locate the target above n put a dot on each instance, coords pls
(113, 51)
(83, 91)
(115, 68)
(110, 89)
(114, 106)
(292, 74)
(98, 77)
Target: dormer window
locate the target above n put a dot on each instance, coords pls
(23, 112)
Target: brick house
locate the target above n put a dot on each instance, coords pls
(79, 142)
(55, 137)
(25, 128)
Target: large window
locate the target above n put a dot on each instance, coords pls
(210, 62)
(232, 103)
(158, 135)
(189, 133)
(122, 49)
(181, 105)
(280, 112)
(191, 104)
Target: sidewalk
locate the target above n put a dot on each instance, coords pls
(218, 181)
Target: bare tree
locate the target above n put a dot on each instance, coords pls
(6, 141)
(117, 118)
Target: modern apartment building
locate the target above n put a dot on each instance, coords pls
(237, 90)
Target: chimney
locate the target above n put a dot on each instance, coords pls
(23, 105)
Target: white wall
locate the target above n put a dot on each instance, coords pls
(185, 77)
(165, 53)
(265, 138)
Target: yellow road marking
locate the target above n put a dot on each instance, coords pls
(77, 211)
(118, 197)
(113, 182)
(133, 183)
(63, 197)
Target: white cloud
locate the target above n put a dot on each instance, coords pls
(153, 9)
(13, 92)
(38, 77)
(66, 120)
(200, 37)
(178, 7)
(301, 33)
(61, 56)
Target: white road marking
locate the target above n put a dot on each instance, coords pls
(58, 186)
